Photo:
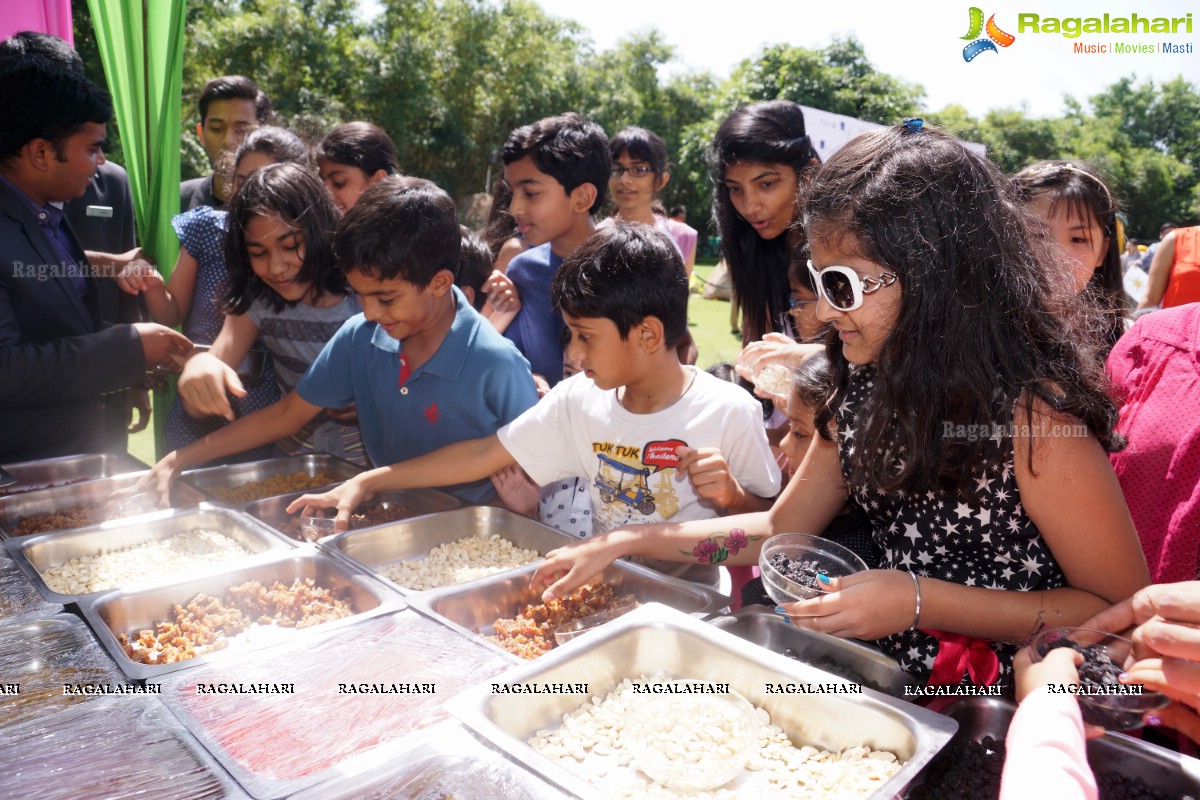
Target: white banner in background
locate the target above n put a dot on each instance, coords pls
(830, 131)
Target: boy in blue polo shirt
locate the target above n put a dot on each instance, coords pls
(423, 367)
(558, 171)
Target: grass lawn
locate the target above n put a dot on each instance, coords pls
(708, 320)
(141, 445)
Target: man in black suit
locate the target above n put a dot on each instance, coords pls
(58, 359)
(103, 221)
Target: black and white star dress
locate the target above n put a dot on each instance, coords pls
(988, 542)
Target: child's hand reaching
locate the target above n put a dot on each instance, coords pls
(1059, 666)
(345, 498)
(568, 568)
(139, 276)
(203, 384)
(865, 605)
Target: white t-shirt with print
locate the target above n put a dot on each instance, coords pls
(628, 460)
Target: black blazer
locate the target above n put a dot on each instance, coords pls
(57, 358)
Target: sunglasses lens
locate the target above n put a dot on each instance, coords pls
(838, 289)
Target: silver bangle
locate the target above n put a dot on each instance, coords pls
(917, 613)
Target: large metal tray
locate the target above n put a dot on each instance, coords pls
(19, 598)
(132, 611)
(845, 658)
(36, 554)
(43, 656)
(114, 747)
(448, 761)
(473, 608)
(1164, 771)
(90, 493)
(656, 640)
(411, 539)
(47, 473)
(272, 511)
(275, 745)
(231, 476)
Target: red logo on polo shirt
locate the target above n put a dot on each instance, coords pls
(432, 413)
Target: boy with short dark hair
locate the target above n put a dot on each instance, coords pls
(423, 368)
(230, 107)
(557, 170)
(635, 423)
(474, 267)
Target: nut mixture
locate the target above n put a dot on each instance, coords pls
(454, 562)
(143, 562)
(61, 519)
(207, 623)
(270, 487)
(531, 633)
(591, 742)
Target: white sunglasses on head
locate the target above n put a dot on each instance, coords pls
(842, 287)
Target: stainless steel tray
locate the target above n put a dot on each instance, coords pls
(272, 511)
(115, 747)
(1164, 771)
(231, 476)
(43, 656)
(378, 546)
(275, 745)
(90, 493)
(129, 612)
(473, 608)
(845, 658)
(447, 762)
(19, 598)
(47, 473)
(654, 640)
(36, 554)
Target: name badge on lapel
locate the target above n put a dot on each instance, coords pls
(100, 211)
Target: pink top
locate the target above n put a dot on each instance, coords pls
(681, 233)
(1155, 370)
(684, 235)
(1046, 752)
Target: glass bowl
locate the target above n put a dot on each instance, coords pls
(820, 554)
(1105, 656)
(565, 633)
(314, 528)
(692, 742)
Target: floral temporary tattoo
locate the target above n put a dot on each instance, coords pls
(716, 549)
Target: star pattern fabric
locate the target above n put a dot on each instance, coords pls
(988, 541)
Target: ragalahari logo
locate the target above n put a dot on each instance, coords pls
(995, 36)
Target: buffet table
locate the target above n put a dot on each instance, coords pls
(210, 650)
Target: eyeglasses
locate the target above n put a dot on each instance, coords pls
(842, 287)
(640, 171)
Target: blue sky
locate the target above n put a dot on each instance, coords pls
(918, 42)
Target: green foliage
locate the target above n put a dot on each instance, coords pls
(449, 79)
(1141, 137)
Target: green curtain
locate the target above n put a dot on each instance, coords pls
(141, 45)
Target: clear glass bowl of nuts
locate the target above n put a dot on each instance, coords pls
(790, 563)
(1103, 700)
(692, 742)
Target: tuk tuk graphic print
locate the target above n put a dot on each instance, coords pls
(622, 483)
